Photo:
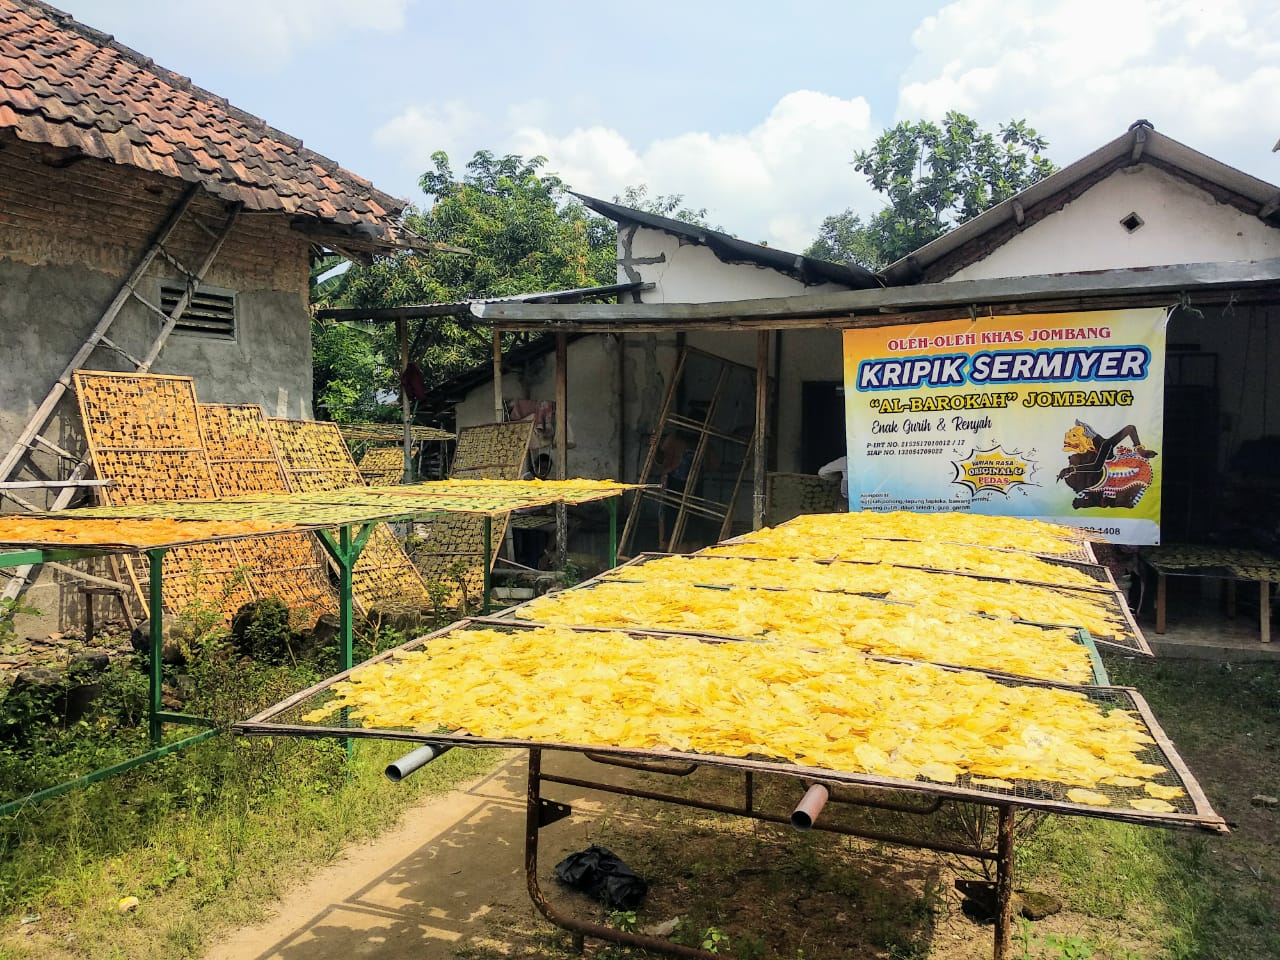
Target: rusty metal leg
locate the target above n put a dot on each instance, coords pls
(580, 929)
(1004, 884)
(532, 823)
(1162, 597)
(1230, 586)
(1264, 610)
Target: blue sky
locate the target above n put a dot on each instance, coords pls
(752, 110)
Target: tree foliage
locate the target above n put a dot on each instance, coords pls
(523, 233)
(348, 371)
(846, 238)
(934, 177)
(670, 205)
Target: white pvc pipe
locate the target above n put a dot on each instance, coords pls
(414, 761)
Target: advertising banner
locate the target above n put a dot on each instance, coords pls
(1053, 416)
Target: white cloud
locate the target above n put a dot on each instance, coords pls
(774, 182)
(1080, 72)
(259, 35)
(420, 130)
(281, 26)
(587, 159)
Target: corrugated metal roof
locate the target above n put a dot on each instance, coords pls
(808, 270)
(1201, 283)
(462, 308)
(69, 86)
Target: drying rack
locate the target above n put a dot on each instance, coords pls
(343, 521)
(297, 716)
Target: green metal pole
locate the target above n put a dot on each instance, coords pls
(346, 620)
(156, 629)
(613, 532)
(345, 552)
(55, 791)
(488, 560)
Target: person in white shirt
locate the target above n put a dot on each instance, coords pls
(838, 467)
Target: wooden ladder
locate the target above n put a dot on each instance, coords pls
(686, 503)
(32, 436)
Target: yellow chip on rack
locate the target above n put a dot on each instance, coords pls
(1090, 797)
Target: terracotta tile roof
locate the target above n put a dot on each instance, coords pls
(67, 85)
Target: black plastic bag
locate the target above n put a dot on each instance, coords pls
(597, 872)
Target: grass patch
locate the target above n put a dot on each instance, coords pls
(204, 838)
(196, 864)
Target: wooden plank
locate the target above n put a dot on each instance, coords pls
(762, 399)
(562, 441)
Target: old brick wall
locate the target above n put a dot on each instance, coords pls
(71, 233)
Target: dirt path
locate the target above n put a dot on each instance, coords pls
(425, 890)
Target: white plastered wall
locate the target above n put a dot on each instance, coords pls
(685, 272)
(614, 403)
(1181, 224)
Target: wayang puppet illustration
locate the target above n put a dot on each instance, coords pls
(1102, 471)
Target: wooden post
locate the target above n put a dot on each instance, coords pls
(622, 407)
(1264, 609)
(762, 394)
(562, 442)
(1004, 884)
(406, 411)
(499, 411)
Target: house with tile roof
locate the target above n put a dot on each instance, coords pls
(148, 224)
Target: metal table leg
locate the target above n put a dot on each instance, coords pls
(540, 813)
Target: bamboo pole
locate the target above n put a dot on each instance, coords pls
(499, 411)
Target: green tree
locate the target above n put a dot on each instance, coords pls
(846, 238)
(330, 273)
(348, 371)
(524, 234)
(934, 178)
(670, 205)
